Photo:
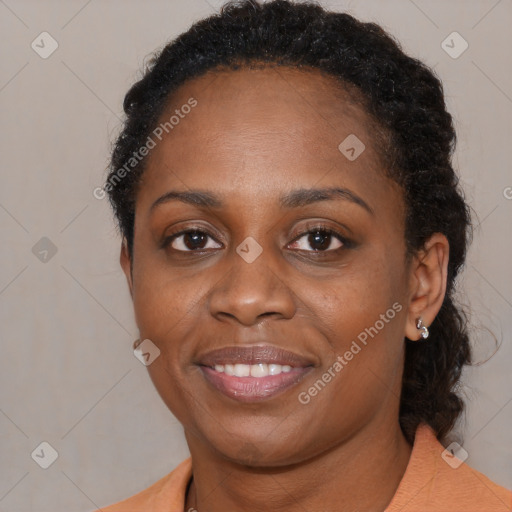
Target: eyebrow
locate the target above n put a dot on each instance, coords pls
(294, 199)
(305, 196)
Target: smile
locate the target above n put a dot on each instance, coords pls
(252, 370)
(253, 373)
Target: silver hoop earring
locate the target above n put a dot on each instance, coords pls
(423, 328)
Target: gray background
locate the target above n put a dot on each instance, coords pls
(67, 373)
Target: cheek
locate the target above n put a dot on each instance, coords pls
(354, 298)
(165, 302)
(361, 314)
(361, 317)
(166, 306)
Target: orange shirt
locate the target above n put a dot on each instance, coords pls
(429, 484)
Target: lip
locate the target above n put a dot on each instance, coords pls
(253, 354)
(253, 389)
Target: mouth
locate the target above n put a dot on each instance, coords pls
(253, 373)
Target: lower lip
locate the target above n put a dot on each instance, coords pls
(253, 389)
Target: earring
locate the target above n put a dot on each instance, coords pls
(136, 343)
(424, 330)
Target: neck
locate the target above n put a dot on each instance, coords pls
(339, 479)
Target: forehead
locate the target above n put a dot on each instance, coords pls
(274, 105)
(253, 129)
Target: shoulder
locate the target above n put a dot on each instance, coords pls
(165, 495)
(436, 480)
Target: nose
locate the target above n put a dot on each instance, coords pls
(252, 291)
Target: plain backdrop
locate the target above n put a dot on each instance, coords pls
(68, 375)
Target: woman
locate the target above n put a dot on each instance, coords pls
(292, 230)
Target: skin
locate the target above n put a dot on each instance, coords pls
(254, 135)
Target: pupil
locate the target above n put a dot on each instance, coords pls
(197, 237)
(322, 239)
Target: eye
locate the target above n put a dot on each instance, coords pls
(320, 239)
(192, 240)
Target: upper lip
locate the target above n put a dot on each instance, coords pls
(253, 354)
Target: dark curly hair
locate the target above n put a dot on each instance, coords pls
(401, 96)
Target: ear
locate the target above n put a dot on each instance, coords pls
(126, 265)
(429, 271)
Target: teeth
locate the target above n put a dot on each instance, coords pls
(274, 369)
(252, 370)
(242, 370)
(259, 370)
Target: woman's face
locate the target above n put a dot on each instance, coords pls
(259, 275)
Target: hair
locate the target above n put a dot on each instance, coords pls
(400, 95)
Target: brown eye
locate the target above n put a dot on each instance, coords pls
(190, 241)
(319, 240)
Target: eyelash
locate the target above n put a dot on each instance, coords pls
(347, 244)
